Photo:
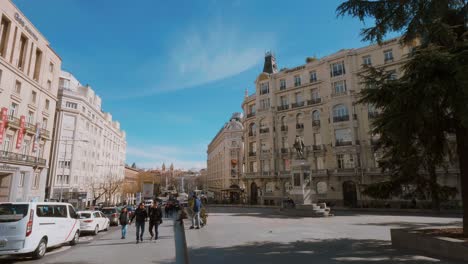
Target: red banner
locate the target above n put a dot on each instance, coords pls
(3, 118)
(19, 140)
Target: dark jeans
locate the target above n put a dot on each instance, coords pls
(140, 229)
(155, 226)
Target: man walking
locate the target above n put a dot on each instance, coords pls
(155, 219)
(140, 214)
(196, 212)
(123, 219)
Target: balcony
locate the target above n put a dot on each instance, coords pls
(314, 101)
(252, 153)
(340, 143)
(284, 128)
(16, 158)
(264, 130)
(249, 115)
(340, 118)
(339, 93)
(298, 104)
(300, 126)
(315, 123)
(320, 172)
(283, 107)
(265, 173)
(265, 152)
(250, 175)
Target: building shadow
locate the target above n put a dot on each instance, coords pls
(334, 251)
(412, 224)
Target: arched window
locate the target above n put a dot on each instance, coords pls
(262, 123)
(283, 120)
(299, 121)
(340, 113)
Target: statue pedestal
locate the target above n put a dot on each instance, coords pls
(301, 192)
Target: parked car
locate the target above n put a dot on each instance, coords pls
(31, 228)
(112, 213)
(93, 222)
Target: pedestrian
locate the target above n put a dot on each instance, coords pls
(166, 209)
(196, 212)
(155, 219)
(123, 219)
(140, 214)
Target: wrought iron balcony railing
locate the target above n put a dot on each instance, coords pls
(11, 157)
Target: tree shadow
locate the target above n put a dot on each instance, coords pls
(332, 251)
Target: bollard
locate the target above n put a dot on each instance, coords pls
(179, 238)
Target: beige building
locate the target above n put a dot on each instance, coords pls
(29, 76)
(89, 147)
(130, 185)
(224, 164)
(317, 102)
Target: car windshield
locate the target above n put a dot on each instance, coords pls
(84, 215)
(13, 212)
(108, 211)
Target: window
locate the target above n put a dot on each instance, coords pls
(44, 123)
(47, 104)
(265, 164)
(299, 121)
(252, 109)
(388, 55)
(282, 84)
(298, 97)
(264, 88)
(37, 65)
(64, 83)
(314, 94)
(51, 210)
(345, 161)
(13, 109)
(63, 179)
(283, 100)
(18, 87)
(4, 28)
(343, 136)
(265, 103)
(340, 113)
(316, 118)
(7, 143)
(72, 212)
(392, 75)
(22, 56)
(71, 105)
(36, 181)
(49, 85)
(339, 88)
(21, 179)
(313, 76)
(51, 67)
(297, 179)
(337, 69)
(297, 80)
(340, 161)
(366, 60)
(33, 97)
(30, 117)
(252, 129)
(253, 166)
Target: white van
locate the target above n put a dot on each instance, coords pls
(30, 228)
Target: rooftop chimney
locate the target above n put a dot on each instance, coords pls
(270, 63)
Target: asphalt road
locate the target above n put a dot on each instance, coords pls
(248, 235)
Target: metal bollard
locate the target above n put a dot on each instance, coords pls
(179, 238)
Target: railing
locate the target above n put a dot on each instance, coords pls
(249, 115)
(343, 143)
(339, 93)
(300, 126)
(283, 107)
(320, 172)
(265, 151)
(340, 118)
(264, 130)
(316, 123)
(6, 156)
(282, 87)
(252, 153)
(314, 101)
(265, 173)
(284, 128)
(250, 175)
(298, 104)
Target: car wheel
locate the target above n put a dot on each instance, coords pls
(40, 250)
(96, 230)
(75, 239)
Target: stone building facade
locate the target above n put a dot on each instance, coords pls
(29, 77)
(316, 102)
(224, 164)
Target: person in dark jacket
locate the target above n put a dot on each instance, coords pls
(140, 214)
(155, 219)
(123, 219)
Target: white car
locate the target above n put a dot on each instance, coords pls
(93, 221)
(31, 228)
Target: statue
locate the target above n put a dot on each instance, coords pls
(299, 146)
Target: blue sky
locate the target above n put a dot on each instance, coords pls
(173, 72)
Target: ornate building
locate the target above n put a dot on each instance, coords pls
(316, 102)
(225, 156)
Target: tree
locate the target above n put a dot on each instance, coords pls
(97, 189)
(432, 94)
(134, 165)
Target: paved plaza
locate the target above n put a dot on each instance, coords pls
(251, 235)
